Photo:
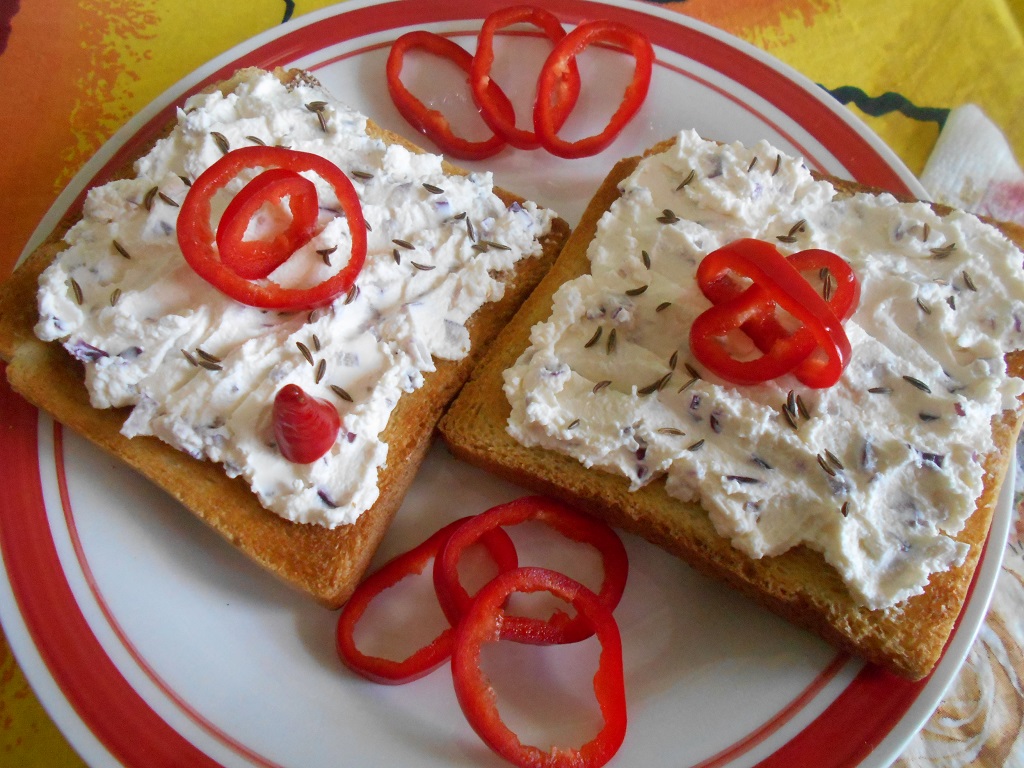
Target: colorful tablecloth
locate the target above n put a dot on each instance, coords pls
(71, 73)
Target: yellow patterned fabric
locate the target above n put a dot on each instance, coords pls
(901, 66)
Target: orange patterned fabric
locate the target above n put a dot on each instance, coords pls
(71, 73)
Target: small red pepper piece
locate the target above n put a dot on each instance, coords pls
(565, 90)
(305, 427)
(198, 243)
(431, 122)
(484, 623)
(559, 628)
(548, 110)
(410, 563)
(255, 259)
(776, 282)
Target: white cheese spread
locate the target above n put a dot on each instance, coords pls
(200, 370)
(878, 472)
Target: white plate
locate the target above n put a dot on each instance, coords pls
(152, 643)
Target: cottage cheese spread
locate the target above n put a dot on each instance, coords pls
(201, 370)
(878, 472)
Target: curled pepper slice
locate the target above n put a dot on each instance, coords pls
(199, 244)
(548, 112)
(776, 282)
(565, 90)
(484, 623)
(560, 627)
(256, 258)
(431, 122)
(410, 563)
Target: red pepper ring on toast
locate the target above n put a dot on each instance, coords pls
(199, 244)
(777, 282)
(566, 89)
(255, 259)
(560, 627)
(431, 122)
(485, 621)
(765, 330)
(548, 114)
(412, 562)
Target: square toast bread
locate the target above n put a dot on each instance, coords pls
(907, 639)
(326, 564)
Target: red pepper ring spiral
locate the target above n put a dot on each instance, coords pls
(429, 657)
(764, 328)
(430, 122)
(255, 259)
(566, 89)
(547, 112)
(560, 627)
(198, 242)
(777, 281)
(484, 623)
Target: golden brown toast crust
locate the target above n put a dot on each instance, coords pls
(798, 585)
(326, 564)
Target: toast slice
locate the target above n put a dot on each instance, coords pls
(325, 563)
(907, 638)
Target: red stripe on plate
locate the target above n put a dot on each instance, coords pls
(784, 715)
(857, 722)
(816, 110)
(853, 725)
(191, 712)
(115, 713)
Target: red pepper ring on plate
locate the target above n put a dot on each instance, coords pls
(547, 111)
(484, 623)
(431, 122)
(565, 90)
(198, 242)
(560, 627)
(776, 282)
(432, 655)
(256, 258)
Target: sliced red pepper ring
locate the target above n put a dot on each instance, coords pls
(198, 242)
(565, 90)
(843, 300)
(256, 258)
(776, 282)
(484, 623)
(431, 122)
(560, 627)
(764, 328)
(845, 296)
(432, 655)
(548, 114)
(708, 328)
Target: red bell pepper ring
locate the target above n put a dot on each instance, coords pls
(484, 623)
(765, 330)
(560, 627)
(548, 112)
(254, 259)
(432, 655)
(431, 122)
(198, 242)
(565, 90)
(776, 282)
